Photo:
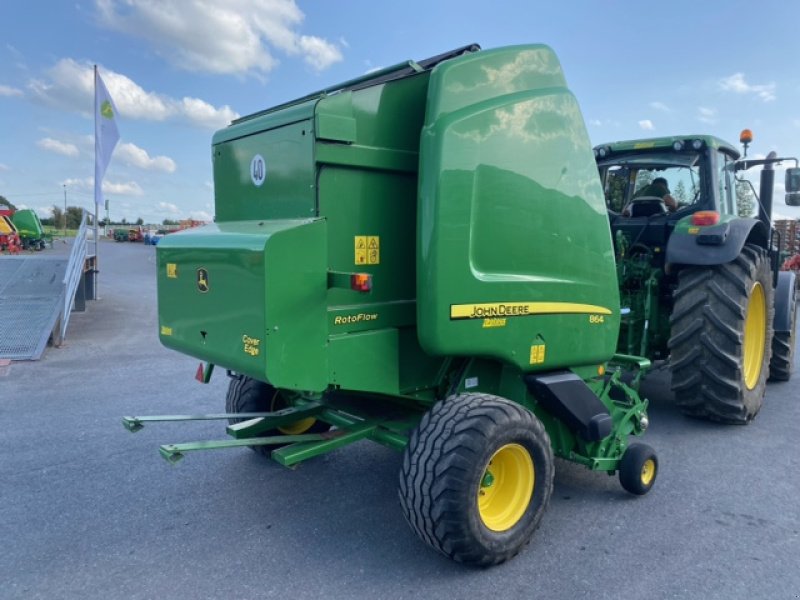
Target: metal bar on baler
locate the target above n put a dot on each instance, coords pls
(134, 424)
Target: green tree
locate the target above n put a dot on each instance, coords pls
(74, 216)
(680, 193)
(58, 217)
(745, 199)
(169, 222)
(643, 178)
(5, 202)
(140, 221)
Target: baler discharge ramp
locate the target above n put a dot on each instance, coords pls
(420, 257)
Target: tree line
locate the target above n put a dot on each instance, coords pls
(74, 214)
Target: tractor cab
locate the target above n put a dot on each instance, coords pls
(650, 185)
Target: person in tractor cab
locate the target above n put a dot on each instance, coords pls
(658, 188)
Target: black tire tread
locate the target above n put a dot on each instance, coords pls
(451, 436)
(706, 342)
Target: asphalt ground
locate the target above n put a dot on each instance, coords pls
(88, 510)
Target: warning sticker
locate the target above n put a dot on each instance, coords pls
(361, 249)
(367, 249)
(537, 354)
(172, 270)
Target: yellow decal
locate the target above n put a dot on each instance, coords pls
(359, 318)
(494, 323)
(596, 319)
(373, 250)
(694, 230)
(251, 345)
(172, 270)
(522, 309)
(368, 249)
(361, 249)
(166, 330)
(537, 354)
(642, 145)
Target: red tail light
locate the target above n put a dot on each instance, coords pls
(361, 282)
(704, 218)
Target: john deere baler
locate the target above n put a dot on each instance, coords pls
(420, 257)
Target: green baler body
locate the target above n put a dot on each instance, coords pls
(28, 224)
(468, 192)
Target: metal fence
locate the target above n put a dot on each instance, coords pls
(75, 266)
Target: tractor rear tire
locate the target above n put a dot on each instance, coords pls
(246, 395)
(783, 343)
(477, 476)
(721, 338)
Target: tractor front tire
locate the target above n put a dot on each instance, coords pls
(246, 395)
(477, 476)
(721, 338)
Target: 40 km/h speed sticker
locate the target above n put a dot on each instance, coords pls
(258, 170)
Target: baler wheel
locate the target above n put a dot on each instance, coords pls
(246, 394)
(638, 469)
(722, 338)
(476, 479)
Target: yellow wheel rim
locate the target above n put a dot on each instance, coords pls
(755, 335)
(277, 403)
(648, 471)
(505, 490)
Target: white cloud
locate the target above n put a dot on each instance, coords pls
(660, 106)
(129, 188)
(63, 148)
(70, 86)
(647, 125)
(219, 37)
(167, 208)
(706, 115)
(736, 83)
(595, 122)
(4, 167)
(201, 215)
(134, 156)
(9, 91)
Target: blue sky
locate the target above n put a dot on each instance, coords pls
(180, 69)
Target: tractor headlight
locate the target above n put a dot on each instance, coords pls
(697, 144)
(677, 146)
(644, 422)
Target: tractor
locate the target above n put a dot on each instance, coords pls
(420, 257)
(698, 268)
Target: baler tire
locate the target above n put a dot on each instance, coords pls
(718, 372)
(783, 342)
(246, 394)
(447, 491)
(638, 469)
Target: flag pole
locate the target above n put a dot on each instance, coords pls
(96, 210)
(96, 183)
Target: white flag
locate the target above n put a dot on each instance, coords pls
(106, 134)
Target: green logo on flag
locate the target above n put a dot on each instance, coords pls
(106, 110)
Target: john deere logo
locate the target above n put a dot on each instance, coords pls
(106, 110)
(202, 280)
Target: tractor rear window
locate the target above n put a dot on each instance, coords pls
(626, 178)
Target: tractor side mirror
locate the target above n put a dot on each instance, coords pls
(793, 186)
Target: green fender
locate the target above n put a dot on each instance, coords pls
(716, 244)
